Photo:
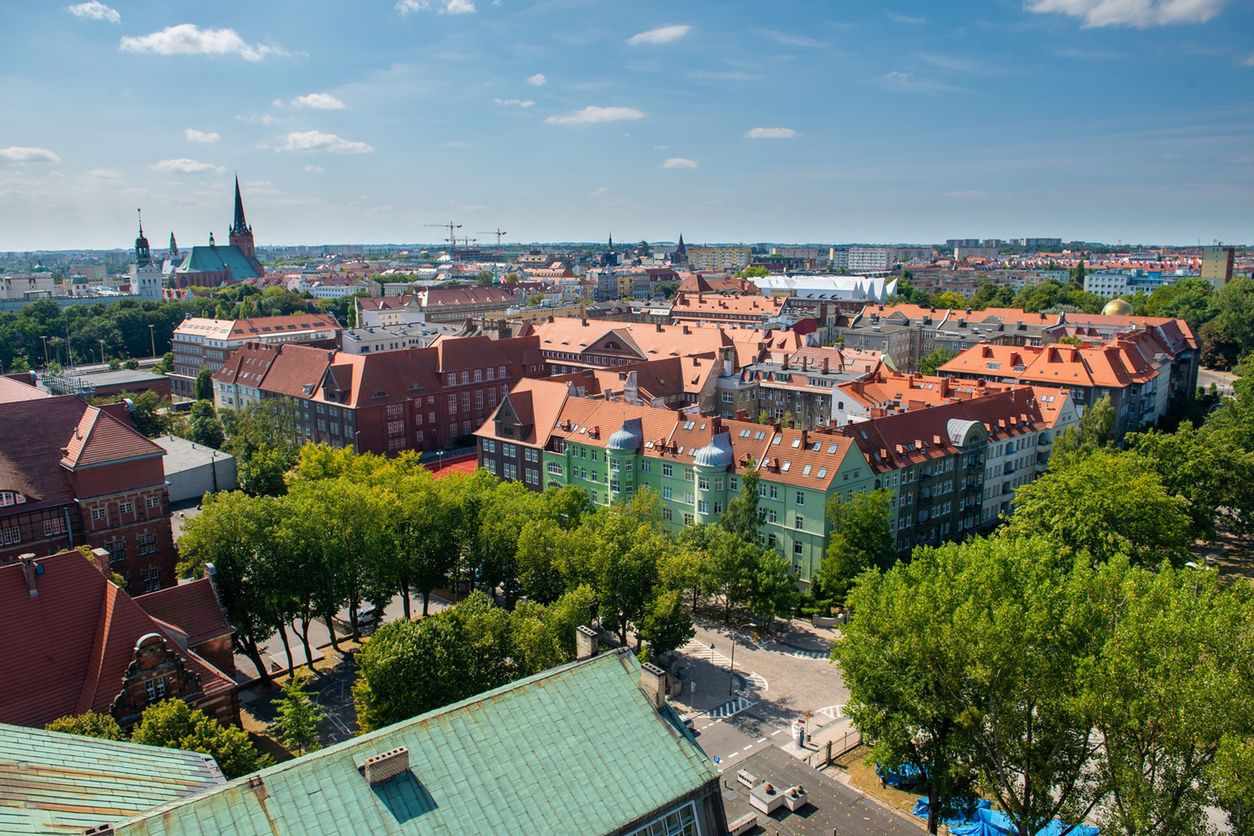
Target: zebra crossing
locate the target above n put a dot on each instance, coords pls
(730, 708)
(833, 712)
(807, 654)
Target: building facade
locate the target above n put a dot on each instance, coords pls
(199, 342)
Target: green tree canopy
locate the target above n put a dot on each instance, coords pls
(88, 724)
(297, 717)
(861, 538)
(175, 724)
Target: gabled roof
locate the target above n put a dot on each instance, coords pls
(73, 641)
(192, 606)
(19, 390)
(524, 758)
(66, 783)
(99, 438)
(256, 327)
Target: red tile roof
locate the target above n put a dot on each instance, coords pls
(73, 642)
(193, 607)
(100, 438)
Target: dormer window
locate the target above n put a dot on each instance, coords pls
(8, 498)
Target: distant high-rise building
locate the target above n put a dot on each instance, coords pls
(1039, 242)
(1217, 265)
(870, 260)
(719, 258)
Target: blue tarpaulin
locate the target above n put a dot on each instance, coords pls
(905, 775)
(985, 821)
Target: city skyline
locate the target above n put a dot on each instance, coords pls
(553, 120)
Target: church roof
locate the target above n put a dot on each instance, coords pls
(215, 259)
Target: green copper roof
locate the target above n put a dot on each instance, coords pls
(204, 259)
(63, 783)
(575, 749)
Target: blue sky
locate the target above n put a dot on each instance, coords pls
(740, 120)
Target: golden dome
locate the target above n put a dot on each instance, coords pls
(1117, 307)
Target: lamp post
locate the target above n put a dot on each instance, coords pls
(440, 460)
(102, 360)
(213, 467)
(152, 337)
(731, 671)
(45, 339)
(357, 442)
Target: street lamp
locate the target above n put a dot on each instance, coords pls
(152, 337)
(357, 442)
(102, 362)
(731, 671)
(45, 339)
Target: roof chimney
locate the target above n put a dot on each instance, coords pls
(586, 642)
(653, 683)
(386, 766)
(30, 570)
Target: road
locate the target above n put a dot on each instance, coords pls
(774, 683)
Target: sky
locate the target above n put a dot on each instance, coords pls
(568, 120)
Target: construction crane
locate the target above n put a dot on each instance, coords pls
(500, 254)
(452, 236)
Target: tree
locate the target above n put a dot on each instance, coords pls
(621, 547)
(176, 725)
(989, 295)
(203, 426)
(861, 538)
(665, 626)
(753, 273)
(1022, 628)
(1229, 335)
(1095, 431)
(772, 586)
(542, 545)
(88, 724)
(408, 667)
(949, 299)
(902, 663)
(484, 278)
(1231, 778)
(203, 390)
(1169, 686)
(929, 364)
(233, 533)
(730, 563)
(741, 517)
(684, 569)
(297, 717)
(165, 365)
(1102, 505)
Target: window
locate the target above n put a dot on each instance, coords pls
(10, 535)
(509, 451)
(478, 375)
(666, 492)
(703, 507)
(555, 468)
(465, 400)
(491, 373)
(703, 483)
(666, 469)
(489, 446)
(452, 404)
(56, 525)
(146, 542)
(511, 471)
(798, 522)
(772, 515)
(150, 578)
(688, 519)
(797, 548)
(668, 514)
(687, 474)
(500, 372)
(155, 689)
(801, 498)
(773, 491)
(396, 427)
(127, 507)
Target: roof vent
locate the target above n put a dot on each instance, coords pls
(386, 766)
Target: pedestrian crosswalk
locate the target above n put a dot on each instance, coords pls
(730, 708)
(832, 711)
(808, 654)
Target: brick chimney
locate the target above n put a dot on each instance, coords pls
(30, 570)
(386, 766)
(653, 683)
(586, 642)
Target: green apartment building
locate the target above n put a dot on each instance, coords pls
(544, 436)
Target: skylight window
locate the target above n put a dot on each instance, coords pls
(805, 471)
(816, 447)
(831, 448)
(785, 466)
(777, 440)
(689, 424)
(744, 433)
(822, 474)
(759, 435)
(796, 442)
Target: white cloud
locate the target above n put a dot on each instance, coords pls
(104, 174)
(910, 83)
(660, 35)
(318, 101)
(1137, 13)
(315, 169)
(594, 115)
(183, 165)
(598, 191)
(968, 194)
(190, 39)
(318, 141)
(24, 154)
(679, 162)
(771, 133)
(898, 17)
(95, 10)
(789, 39)
(537, 80)
(450, 7)
(523, 103)
(193, 135)
(1248, 61)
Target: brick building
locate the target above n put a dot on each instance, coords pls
(73, 474)
(200, 342)
(415, 399)
(82, 644)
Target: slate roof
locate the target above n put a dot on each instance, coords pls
(63, 783)
(577, 748)
(215, 259)
(73, 641)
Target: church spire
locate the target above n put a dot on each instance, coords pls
(143, 256)
(240, 225)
